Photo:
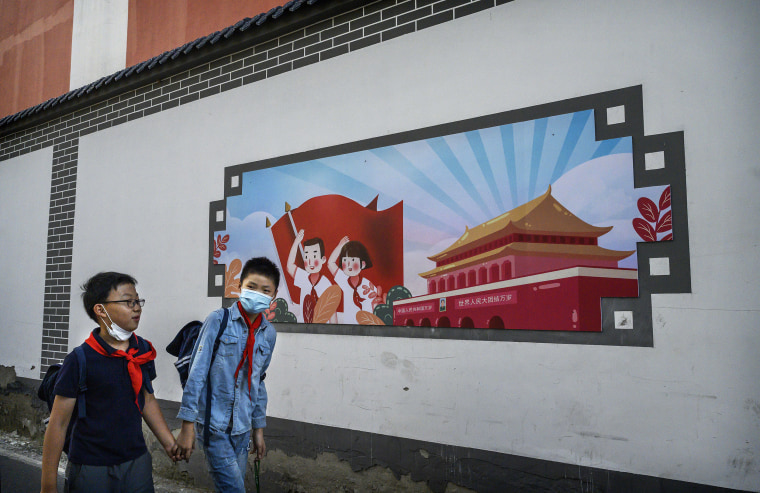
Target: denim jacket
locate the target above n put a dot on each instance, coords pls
(229, 396)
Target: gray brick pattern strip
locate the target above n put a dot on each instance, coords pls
(378, 22)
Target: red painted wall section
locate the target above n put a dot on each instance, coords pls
(35, 52)
(156, 27)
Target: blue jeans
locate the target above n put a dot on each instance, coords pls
(227, 458)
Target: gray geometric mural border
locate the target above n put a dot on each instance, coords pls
(668, 148)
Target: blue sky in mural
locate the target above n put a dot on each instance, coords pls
(454, 181)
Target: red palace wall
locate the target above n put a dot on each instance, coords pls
(156, 27)
(35, 52)
(559, 300)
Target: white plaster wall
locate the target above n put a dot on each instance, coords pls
(24, 207)
(98, 40)
(687, 409)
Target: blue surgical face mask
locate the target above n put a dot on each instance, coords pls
(253, 301)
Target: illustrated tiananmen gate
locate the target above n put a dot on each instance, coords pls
(536, 267)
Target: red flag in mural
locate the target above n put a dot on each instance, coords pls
(332, 217)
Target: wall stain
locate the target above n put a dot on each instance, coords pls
(389, 360)
(599, 435)
(744, 462)
(754, 406)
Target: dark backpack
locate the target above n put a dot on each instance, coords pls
(182, 347)
(46, 392)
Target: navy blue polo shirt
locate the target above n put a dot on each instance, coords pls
(111, 433)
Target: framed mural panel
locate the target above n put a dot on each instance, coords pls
(553, 223)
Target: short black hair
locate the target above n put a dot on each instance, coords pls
(356, 249)
(263, 266)
(98, 287)
(316, 241)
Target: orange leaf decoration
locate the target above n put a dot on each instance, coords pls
(327, 304)
(231, 281)
(367, 318)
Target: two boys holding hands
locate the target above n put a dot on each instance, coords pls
(107, 450)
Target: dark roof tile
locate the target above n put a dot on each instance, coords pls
(203, 42)
(229, 31)
(216, 37)
(47, 104)
(249, 22)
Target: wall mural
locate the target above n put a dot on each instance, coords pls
(527, 223)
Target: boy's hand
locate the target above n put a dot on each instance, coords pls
(173, 451)
(186, 441)
(258, 443)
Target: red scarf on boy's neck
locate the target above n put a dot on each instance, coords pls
(248, 351)
(133, 362)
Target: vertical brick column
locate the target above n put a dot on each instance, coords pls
(55, 325)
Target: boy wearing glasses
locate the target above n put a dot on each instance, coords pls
(238, 396)
(107, 450)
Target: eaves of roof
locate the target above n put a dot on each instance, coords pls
(523, 249)
(293, 15)
(542, 215)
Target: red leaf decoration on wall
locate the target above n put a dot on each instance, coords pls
(665, 223)
(648, 209)
(665, 199)
(667, 237)
(219, 245)
(644, 229)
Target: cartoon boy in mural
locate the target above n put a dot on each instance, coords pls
(309, 280)
(346, 263)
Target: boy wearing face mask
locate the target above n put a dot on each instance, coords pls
(238, 395)
(107, 450)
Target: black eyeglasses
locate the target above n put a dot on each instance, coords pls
(130, 303)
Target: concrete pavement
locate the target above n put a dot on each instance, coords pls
(21, 474)
(21, 468)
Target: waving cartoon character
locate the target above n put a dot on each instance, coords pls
(346, 264)
(309, 279)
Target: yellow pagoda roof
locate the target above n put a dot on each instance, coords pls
(543, 215)
(588, 252)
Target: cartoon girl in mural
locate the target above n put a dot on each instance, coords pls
(346, 263)
(309, 279)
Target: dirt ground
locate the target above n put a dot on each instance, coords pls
(22, 417)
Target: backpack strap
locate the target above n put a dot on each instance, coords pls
(82, 411)
(207, 420)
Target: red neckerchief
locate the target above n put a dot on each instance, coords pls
(318, 276)
(133, 362)
(357, 298)
(248, 352)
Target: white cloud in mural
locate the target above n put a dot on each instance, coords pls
(601, 193)
(417, 261)
(247, 241)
